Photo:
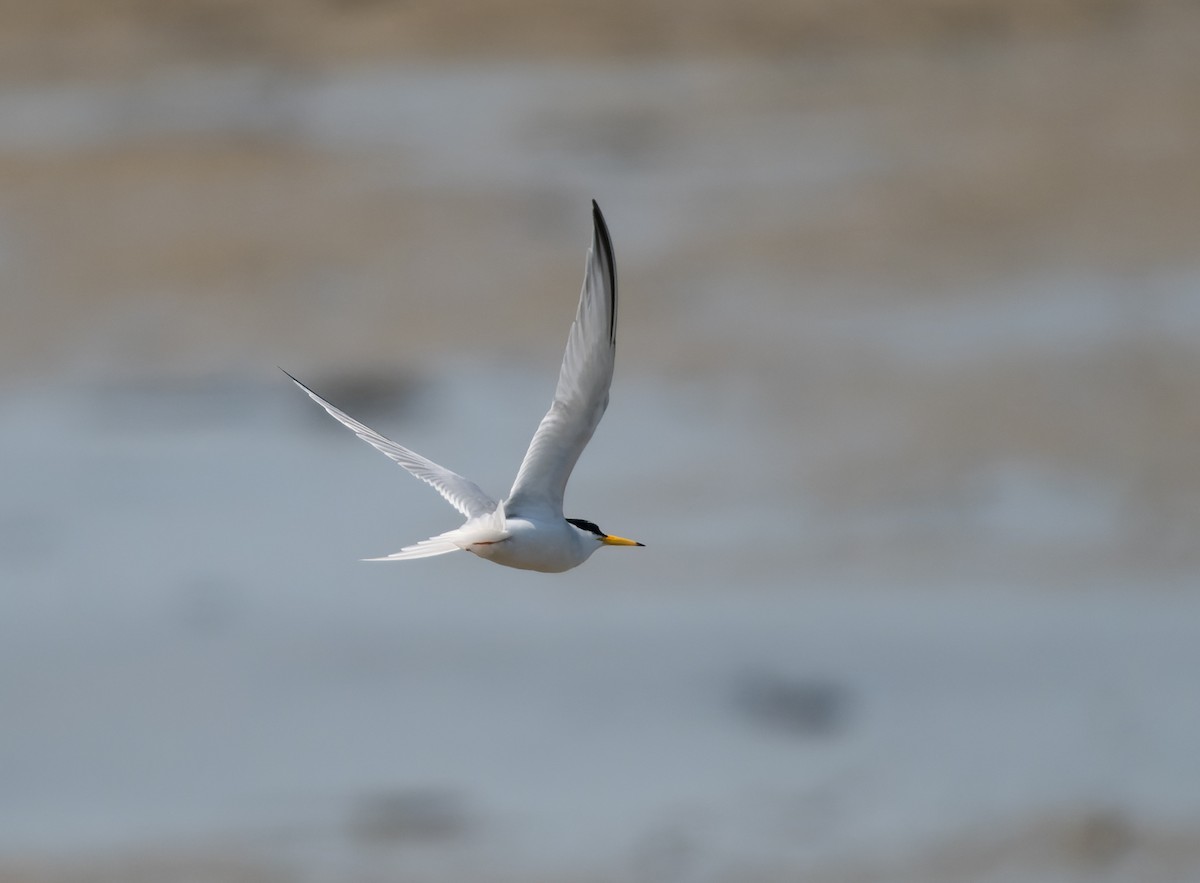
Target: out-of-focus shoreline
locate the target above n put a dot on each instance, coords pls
(76, 37)
(905, 410)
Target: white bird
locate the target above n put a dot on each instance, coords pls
(527, 529)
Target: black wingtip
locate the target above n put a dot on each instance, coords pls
(604, 240)
(292, 378)
(601, 224)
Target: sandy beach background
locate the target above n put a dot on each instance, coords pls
(907, 411)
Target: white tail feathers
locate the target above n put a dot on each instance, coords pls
(489, 528)
(485, 528)
(424, 549)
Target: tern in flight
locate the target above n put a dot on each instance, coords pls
(527, 529)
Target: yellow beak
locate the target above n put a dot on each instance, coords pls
(620, 541)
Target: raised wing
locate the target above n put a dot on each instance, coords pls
(583, 382)
(462, 493)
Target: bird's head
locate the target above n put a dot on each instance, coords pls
(590, 529)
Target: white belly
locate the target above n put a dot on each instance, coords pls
(535, 547)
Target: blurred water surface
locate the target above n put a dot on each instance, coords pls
(905, 411)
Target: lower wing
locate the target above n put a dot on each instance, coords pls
(461, 493)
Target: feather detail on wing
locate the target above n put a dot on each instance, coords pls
(583, 383)
(462, 493)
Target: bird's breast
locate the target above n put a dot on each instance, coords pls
(532, 547)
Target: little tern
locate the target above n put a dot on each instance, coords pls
(527, 529)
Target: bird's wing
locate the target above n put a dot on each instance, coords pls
(462, 493)
(583, 382)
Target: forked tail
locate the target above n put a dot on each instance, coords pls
(488, 528)
(425, 549)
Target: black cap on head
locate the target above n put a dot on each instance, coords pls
(587, 525)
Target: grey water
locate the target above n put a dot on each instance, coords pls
(851, 634)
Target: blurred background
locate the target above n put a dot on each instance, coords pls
(907, 412)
